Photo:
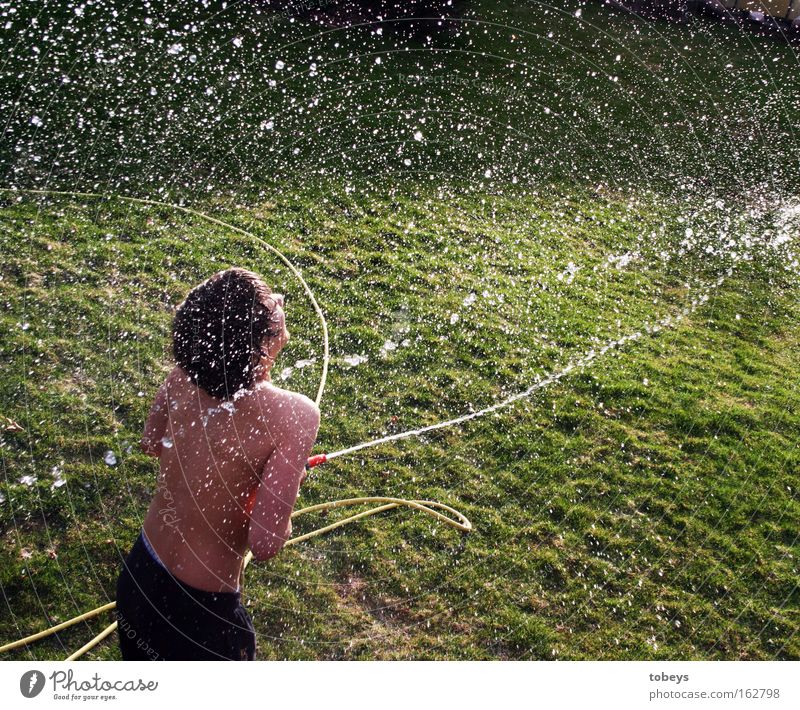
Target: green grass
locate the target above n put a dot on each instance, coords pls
(644, 507)
(613, 518)
(524, 89)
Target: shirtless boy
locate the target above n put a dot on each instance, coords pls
(232, 449)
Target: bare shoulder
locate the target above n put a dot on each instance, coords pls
(296, 407)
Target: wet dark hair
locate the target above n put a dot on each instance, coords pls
(219, 330)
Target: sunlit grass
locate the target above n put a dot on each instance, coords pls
(641, 508)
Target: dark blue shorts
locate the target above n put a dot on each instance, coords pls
(162, 619)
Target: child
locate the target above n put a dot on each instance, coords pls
(232, 449)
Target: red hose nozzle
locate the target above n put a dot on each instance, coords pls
(316, 460)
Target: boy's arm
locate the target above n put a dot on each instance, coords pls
(270, 518)
(156, 425)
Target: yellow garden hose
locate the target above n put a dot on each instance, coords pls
(459, 522)
(110, 629)
(57, 627)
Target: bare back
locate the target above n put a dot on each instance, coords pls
(212, 454)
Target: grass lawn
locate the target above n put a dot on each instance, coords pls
(642, 507)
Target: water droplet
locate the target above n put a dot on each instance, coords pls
(354, 360)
